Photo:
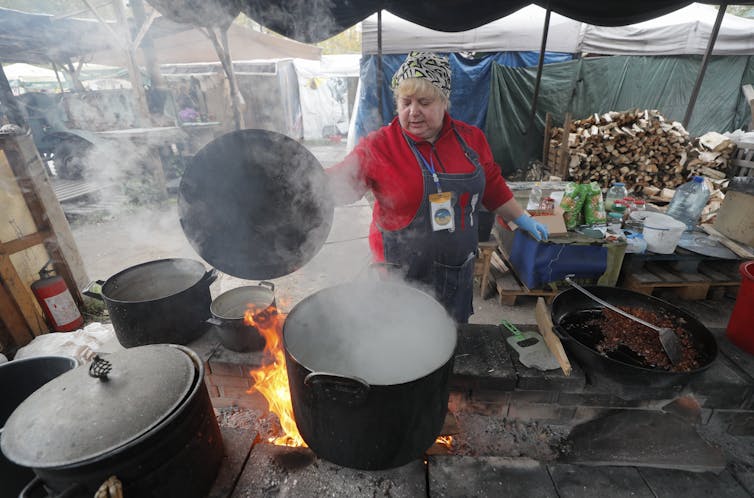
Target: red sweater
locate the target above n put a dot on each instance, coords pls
(384, 163)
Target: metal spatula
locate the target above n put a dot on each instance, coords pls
(670, 342)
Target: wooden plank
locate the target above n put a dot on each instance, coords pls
(23, 243)
(13, 319)
(739, 250)
(23, 297)
(20, 153)
(662, 272)
(544, 322)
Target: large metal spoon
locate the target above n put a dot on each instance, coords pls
(669, 340)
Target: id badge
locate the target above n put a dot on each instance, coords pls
(441, 211)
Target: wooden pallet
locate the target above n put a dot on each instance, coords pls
(689, 285)
(508, 285)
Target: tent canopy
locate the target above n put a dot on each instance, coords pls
(317, 20)
(685, 31)
(191, 46)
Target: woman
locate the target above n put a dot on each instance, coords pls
(429, 174)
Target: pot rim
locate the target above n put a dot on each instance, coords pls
(201, 273)
(138, 439)
(266, 294)
(293, 313)
(662, 303)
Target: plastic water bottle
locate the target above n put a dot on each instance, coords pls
(689, 201)
(615, 193)
(535, 197)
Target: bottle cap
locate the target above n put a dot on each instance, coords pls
(619, 184)
(698, 179)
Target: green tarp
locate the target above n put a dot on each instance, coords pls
(617, 83)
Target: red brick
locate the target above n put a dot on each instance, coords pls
(219, 368)
(228, 380)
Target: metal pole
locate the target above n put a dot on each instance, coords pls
(705, 61)
(540, 65)
(379, 67)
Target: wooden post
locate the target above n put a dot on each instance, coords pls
(563, 157)
(749, 96)
(546, 145)
(23, 159)
(142, 110)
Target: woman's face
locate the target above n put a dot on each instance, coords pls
(421, 114)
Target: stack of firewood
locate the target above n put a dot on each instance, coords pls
(641, 149)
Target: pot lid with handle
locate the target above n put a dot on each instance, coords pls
(79, 417)
(255, 204)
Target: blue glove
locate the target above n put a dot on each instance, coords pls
(535, 228)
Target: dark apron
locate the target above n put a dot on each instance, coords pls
(442, 260)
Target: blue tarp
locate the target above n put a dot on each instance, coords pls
(470, 86)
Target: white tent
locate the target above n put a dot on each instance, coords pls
(685, 31)
(323, 91)
(520, 31)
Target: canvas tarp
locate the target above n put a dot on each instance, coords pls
(684, 31)
(617, 83)
(468, 97)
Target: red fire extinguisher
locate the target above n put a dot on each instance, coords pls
(56, 301)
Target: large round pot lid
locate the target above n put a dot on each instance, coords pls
(255, 204)
(76, 418)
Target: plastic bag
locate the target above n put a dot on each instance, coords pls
(594, 205)
(572, 203)
(81, 344)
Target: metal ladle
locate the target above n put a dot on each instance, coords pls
(669, 340)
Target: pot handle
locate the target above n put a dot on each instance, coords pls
(73, 490)
(94, 290)
(269, 285)
(351, 391)
(214, 321)
(209, 277)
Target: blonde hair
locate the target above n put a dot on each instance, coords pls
(419, 86)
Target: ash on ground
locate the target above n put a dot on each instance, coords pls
(486, 435)
(265, 423)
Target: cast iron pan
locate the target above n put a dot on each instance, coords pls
(255, 204)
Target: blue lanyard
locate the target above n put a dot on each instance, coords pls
(430, 167)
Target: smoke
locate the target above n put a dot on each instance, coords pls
(382, 332)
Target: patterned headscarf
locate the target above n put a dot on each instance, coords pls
(425, 65)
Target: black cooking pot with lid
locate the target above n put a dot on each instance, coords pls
(142, 415)
(368, 367)
(228, 311)
(255, 204)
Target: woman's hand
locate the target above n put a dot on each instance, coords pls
(535, 228)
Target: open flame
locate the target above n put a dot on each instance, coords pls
(271, 379)
(446, 441)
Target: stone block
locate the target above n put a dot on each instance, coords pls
(559, 415)
(481, 359)
(579, 481)
(667, 482)
(488, 476)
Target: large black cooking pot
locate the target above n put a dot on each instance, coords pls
(571, 305)
(147, 420)
(159, 302)
(368, 366)
(18, 380)
(255, 204)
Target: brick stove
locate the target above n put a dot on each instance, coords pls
(513, 430)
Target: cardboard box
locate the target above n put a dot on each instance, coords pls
(553, 221)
